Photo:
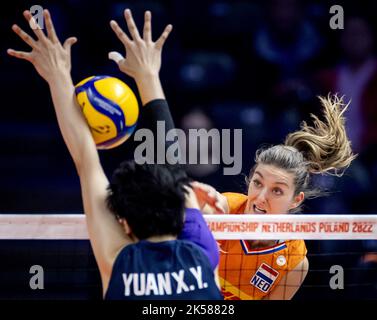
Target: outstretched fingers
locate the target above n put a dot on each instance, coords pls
(20, 54)
(160, 42)
(131, 25)
(68, 44)
(147, 31)
(50, 27)
(24, 36)
(122, 36)
(34, 26)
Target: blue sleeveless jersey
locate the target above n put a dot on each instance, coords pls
(167, 270)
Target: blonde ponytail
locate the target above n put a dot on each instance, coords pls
(325, 145)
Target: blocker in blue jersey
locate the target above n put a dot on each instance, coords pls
(174, 255)
(175, 269)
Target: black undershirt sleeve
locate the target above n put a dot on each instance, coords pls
(153, 111)
(156, 117)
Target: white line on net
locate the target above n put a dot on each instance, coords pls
(242, 226)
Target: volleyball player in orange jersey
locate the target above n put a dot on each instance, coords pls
(279, 182)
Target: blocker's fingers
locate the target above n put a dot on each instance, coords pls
(34, 26)
(161, 40)
(131, 25)
(68, 43)
(50, 27)
(24, 36)
(115, 56)
(122, 36)
(20, 54)
(147, 31)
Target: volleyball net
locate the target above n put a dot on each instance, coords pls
(59, 244)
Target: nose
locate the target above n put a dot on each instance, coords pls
(262, 197)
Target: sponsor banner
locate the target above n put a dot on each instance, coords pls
(225, 227)
(290, 227)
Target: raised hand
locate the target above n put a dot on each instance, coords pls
(143, 56)
(209, 200)
(49, 57)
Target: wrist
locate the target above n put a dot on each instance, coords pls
(149, 87)
(147, 76)
(59, 77)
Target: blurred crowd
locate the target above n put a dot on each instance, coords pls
(254, 65)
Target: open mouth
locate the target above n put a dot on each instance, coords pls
(258, 210)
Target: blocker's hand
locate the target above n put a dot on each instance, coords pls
(143, 56)
(48, 56)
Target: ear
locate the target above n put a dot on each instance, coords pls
(126, 227)
(297, 200)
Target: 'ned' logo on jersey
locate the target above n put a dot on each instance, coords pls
(264, 277)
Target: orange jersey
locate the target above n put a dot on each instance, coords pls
(251, 274)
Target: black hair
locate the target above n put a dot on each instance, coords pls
(150, 197)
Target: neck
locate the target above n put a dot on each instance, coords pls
(161, 238)
(257, 244)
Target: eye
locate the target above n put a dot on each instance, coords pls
(277, 191)
(256, 183)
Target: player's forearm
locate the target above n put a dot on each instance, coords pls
(149, 86)
(73, 126)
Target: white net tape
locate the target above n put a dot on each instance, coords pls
(243, 226)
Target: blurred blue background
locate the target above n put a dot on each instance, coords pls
(255, 65)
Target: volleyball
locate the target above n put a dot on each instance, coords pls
(110, 108)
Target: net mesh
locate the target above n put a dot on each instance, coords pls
(70, 270)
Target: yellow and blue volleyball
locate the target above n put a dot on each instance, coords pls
(110, 108)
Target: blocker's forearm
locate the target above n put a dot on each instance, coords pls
(73, 126)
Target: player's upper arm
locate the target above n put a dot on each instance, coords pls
(290, 283)
(106, 235)
(195, 229)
